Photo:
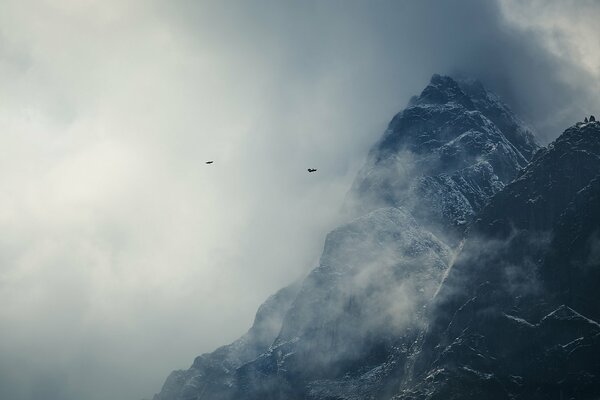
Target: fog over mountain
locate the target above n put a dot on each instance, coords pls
(124, 256)
(347, 329)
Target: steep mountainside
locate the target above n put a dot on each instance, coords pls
(516, 317)
(348, 331)
(444, 156)
(375, 277)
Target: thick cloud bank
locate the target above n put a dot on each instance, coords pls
(122, 254)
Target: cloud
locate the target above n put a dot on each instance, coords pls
(123, 254)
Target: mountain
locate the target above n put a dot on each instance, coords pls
(347, 317)
(516, 316)
(449, 280)
(444, 156)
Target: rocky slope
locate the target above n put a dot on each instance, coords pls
(375, 277)
(351, 328)
(516, 317)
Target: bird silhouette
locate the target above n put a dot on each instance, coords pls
(312, 169)
(210, 162)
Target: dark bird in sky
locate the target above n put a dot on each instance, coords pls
(312, 169)
(210, 162)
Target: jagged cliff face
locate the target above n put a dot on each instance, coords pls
(444, 156)
(466, 273)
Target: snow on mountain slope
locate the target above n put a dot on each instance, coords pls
(445, 155)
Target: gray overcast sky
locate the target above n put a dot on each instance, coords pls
(122, 255)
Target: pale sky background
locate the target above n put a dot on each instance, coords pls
(122, 255)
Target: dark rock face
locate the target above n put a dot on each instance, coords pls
(571, 270)
(469, 272)
(516, 316)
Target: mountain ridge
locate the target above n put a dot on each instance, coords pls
(521, 274)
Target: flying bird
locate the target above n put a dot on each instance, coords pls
(210, 162)
(312, 169)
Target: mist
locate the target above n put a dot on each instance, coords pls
(123, 255)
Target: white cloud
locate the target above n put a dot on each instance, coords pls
(570, 28)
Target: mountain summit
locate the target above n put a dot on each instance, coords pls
(465, 236)
(445, 155)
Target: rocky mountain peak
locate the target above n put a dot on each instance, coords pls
(443, 90)
(445, 155)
